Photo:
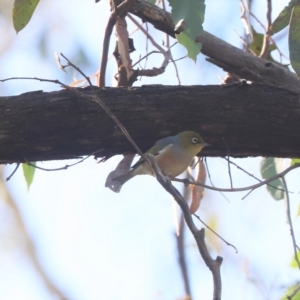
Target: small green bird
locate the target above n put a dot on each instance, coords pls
(173, 155)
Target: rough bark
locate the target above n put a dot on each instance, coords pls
(241, 120)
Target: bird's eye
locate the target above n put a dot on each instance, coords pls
(195, 141)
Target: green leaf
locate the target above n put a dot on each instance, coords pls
(295, 161)
(22, 12)
(268, 168)
(28, 172)
(152, 1)
(284, 17)
(294, 39)
(192, 12)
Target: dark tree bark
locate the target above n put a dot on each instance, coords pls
(252, 120)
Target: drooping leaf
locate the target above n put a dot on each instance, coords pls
(28, 172)
(294, 39)
(192, 12)
(284, 17)
(197, 190)
(122, 168)
(22, 13)
(295, 161)
(268, 168)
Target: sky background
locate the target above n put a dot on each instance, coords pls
(95, 244)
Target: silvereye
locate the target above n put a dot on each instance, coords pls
(173, 155)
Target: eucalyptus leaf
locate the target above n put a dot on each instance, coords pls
(192, 12)
(268, 168)
(22, 13)
(284, 17)
(28, 172)
(295, 161)
(294, 39)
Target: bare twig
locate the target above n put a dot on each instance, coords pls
(60, 168)
(250, 187)
(296, 290)
(182, 260)
(266, 41)
(290, 220)
(206, 164)
(14, 171)
(228, 162)
(227, 243)
(123, 7)
(251, 175)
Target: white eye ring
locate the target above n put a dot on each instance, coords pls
(195, 141)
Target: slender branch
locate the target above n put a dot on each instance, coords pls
(108, 30)
(251, 175)
(250, 187)
(182, 260)
(213, 265)
(227, 243)
(266, 41)
(122, 8)
(14, 171)
(290, 220)
(228, 162)
(296, 290)
(60, 168)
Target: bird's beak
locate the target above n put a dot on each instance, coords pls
(206, 145)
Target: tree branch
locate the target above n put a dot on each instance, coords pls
(63, 125)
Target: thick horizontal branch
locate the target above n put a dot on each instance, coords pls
(222, 54)
(239, 120)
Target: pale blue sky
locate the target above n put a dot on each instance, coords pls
(96, 244)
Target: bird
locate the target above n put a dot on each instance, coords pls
(173, 154)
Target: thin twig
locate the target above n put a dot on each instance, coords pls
(290, 220)
(228, 162)
(227, 243)
(123, 7)
(296, 290)
(251, 175)
(254, 186)
(182, 260)
(14, 171)
(266, 42)
(206, 164)
(248, 194)
(61, 168)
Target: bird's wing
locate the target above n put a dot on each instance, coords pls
(155, 150)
